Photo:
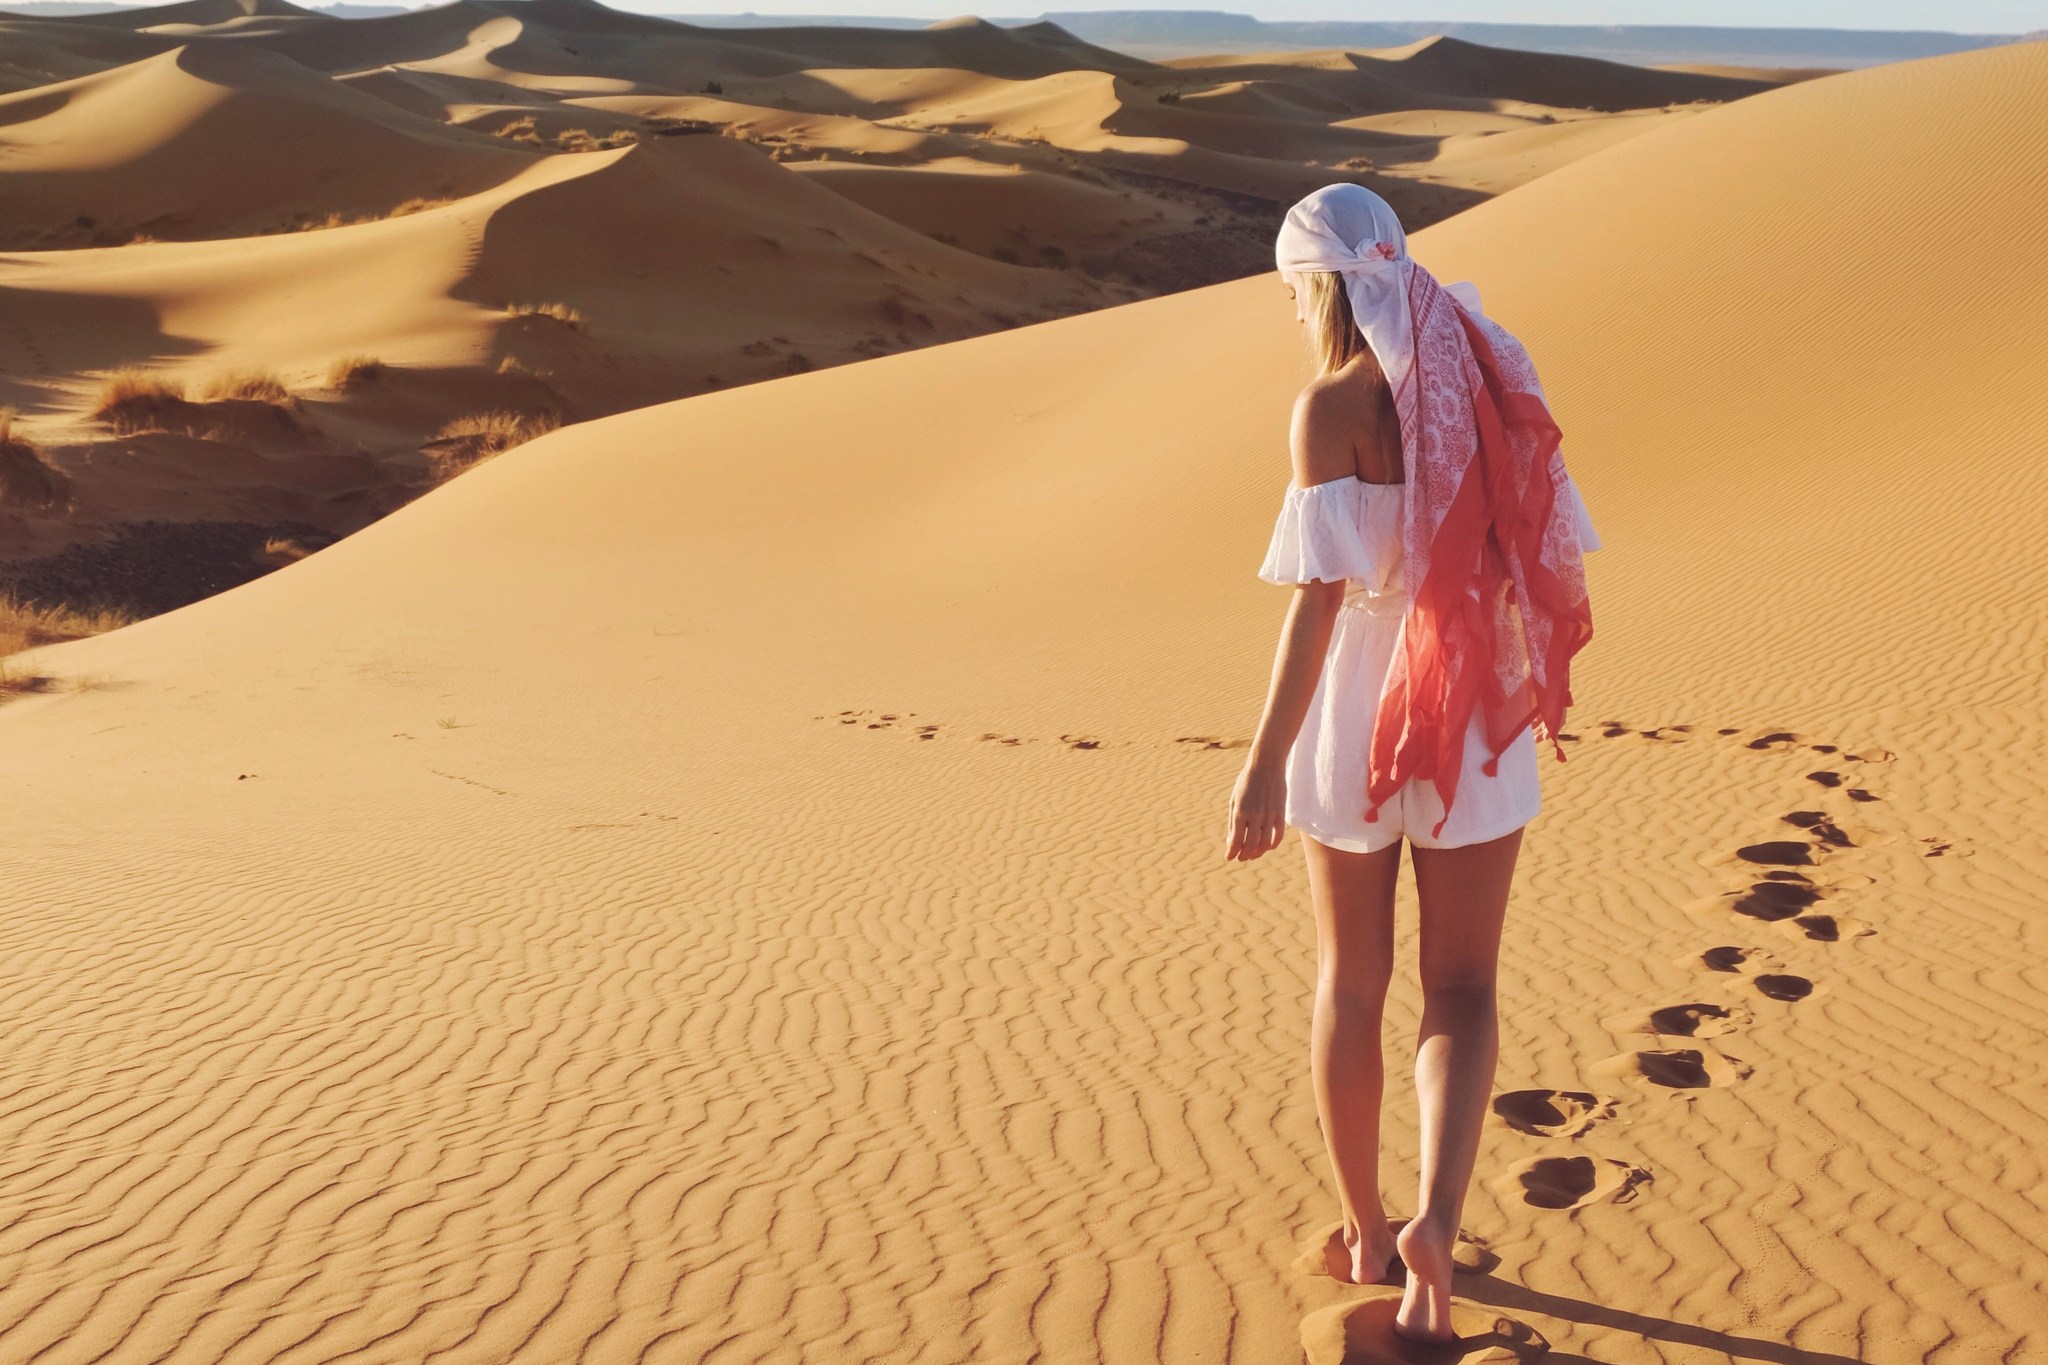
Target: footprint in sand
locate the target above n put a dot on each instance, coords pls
(1324, 1253)
(1784, 894)
(1571, 1182)
(1698, 1019)
(1833, 780)
(887, 720)
(1763, 973)
(1783, 986)
(1826, 830)
(1725, 958)
(1680, 1069)
(1782, 897)
(1828, 836)
(1550, 1113)
(1828, 928)
(1361, 1332)
(1213, 742)
(1778, 853)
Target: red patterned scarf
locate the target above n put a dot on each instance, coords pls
(1494, 568)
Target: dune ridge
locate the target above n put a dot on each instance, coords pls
(744, 875)
(173, 137)
(900, 187)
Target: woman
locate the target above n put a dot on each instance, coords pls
(1435, 542)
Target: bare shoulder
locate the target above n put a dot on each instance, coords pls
(1323, 430)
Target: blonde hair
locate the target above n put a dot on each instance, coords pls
(1333, 335)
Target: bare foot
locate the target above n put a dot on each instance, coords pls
(1360, 1255)
(1425, 1312)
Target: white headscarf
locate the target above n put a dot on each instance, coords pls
(1351, 230)
(1493, 564)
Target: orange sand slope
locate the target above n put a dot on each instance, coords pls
(752, 270)
(742, 878)
(454, 162)
(166, 146)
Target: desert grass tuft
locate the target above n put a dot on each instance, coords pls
(27, 478)
(559, 312)
(469, 441)
(279, 551)
(519, 130)
(581, 140)
(418, 204)
(132, 399)
(30, 625)
(255, 386)
(354, 371)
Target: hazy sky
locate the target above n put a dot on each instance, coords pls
(1956, 16)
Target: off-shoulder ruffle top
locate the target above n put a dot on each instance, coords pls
(1350, 529)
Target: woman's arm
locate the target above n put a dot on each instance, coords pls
(1258, 804)
(1320, 440)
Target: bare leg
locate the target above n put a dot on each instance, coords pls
(1464, 895)
(1354, 905)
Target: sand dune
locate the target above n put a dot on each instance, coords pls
(754, 272)
(742, 878)
(1032, 215)
(744, 246)
(163, 148)
(1455, 68)
(37, 52)
(197, 14)
(1776, 75)
(991, 175)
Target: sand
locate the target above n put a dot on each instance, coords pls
(741, 879)
(171, 176)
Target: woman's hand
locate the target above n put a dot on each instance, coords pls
(1258, 811)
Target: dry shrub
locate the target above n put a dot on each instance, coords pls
(519, 130)
(353, 371)
(580, 140)
(469, 441)
(335, 218)
(417, 204)
(560, 312)
(279, 551)
(16, 680)
(132, 400)
(27, 478)
(255, 386)
(30, 625)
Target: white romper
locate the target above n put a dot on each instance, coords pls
(1350, 529)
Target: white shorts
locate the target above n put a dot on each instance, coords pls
(1326, 767)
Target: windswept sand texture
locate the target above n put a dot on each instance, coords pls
(741, 879)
